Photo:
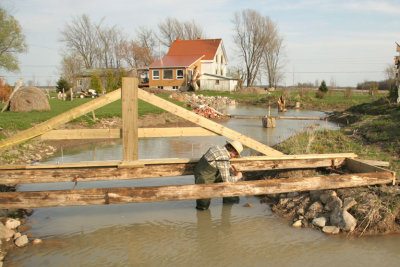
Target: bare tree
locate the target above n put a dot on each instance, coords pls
(273, 57)
(251, 35)
(145, 38)
(81, 36)
(390, 72)
(172, 28)
(71, 66)
(109, 40)
(135, 55)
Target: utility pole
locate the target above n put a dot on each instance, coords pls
(397, 63)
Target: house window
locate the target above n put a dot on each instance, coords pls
(167, 75)
(175, 87)
(179, 74)
(156, 74)
(216, 71)
(216, 82)
(222, 60)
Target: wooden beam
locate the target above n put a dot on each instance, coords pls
(104, 196)
(206, 123)
(147, 168)
(60, 119)
(277, 117)
(112, 133)
(378, 163)
(130, 147)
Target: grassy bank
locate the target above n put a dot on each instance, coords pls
(333, 100)
(371, 130)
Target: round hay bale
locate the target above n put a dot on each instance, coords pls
(28, 99)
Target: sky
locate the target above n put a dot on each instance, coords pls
(342, 42)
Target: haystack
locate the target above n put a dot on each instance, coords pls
(28, 99)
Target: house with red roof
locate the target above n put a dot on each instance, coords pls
(188, 63)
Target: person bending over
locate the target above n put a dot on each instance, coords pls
(214, 167)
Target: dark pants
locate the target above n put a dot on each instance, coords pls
(204, 173)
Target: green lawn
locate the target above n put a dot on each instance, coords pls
(23, 120)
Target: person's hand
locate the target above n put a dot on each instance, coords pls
(239, 175)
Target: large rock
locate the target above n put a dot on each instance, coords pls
(326, 195)
(313, 210)
(12, 223)
(344, 220)
(21, 241)
(5, 232)
(320, 221)
(333, 230)
(332, 203)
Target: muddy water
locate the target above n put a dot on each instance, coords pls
(175, 234)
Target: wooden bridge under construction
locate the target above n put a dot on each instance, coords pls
(358, 172)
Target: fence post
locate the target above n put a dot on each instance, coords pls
(129, 97)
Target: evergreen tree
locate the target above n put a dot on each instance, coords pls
(323, 88)
(95, 83)
(62, 84)
(110, 81)
(121, 74)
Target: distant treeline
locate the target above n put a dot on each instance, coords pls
(382, 85)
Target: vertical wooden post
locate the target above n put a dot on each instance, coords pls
(130, 118)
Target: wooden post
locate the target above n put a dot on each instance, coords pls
(130, 118)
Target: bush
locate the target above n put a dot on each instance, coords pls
(5, 91)
(110, 81)
(319, 94)
(323, 88)
(62, 84)
(95, 83)
(348, 92)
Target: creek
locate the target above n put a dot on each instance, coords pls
(176, 234)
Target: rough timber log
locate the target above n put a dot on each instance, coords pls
(103, 196)
(95, 171)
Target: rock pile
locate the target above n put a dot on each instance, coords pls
(212, 101)
(317, 209)
(197, 100)
(207, 112)
(11, 233)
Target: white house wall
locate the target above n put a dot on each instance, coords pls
(216, 66)
(221, 85)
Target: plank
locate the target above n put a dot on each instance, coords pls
(206, 123)
(356, 165)
(113, 133)
(130, 147)
(278, 117)
(145, 169)
(102, 196)
(60, 119)
(378, 163)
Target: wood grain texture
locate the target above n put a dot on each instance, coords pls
(104, 196)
